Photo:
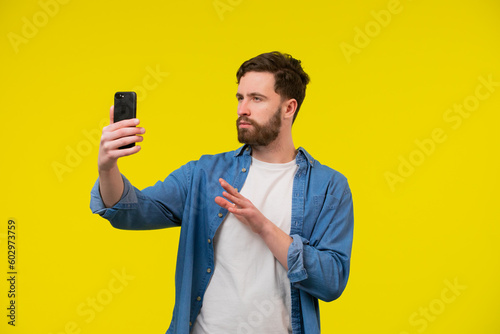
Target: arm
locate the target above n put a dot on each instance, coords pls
(320, 264)
(114, 136)
(154, 207)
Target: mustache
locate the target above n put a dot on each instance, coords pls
(244, 119)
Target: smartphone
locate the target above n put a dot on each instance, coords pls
(125, 108)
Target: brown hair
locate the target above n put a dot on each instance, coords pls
(290, 78)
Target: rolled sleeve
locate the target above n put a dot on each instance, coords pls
(154, 207)
(295, 259)
(127, 201)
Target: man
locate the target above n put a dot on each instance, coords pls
(266, 230)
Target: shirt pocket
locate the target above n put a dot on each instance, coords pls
(322, 213)
(324, 203)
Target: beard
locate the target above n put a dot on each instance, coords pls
(259, 134)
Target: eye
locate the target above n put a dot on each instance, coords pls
(256, 98)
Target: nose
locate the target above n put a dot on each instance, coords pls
(243, 109)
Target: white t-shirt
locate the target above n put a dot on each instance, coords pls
(249, 291)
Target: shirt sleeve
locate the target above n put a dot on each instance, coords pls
(97, 205)
(154, 207)
(320, 266)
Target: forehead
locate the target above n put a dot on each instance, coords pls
(262, 82)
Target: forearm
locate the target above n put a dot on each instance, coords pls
(154, 207)
(277, 241)
(113, 137)
(110, 186)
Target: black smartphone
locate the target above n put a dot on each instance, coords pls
(125, 108)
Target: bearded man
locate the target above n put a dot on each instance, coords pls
(266, 230)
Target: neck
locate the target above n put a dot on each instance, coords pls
(281, 150)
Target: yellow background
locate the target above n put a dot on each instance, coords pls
(364, 112)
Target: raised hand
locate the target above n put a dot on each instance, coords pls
(116, 135)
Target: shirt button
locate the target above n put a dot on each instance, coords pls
(209, 241)
(220, 215)
(209, 270)
(236, 189)
(198, 298)
(243, 169)
(247, 149)
(190, 323)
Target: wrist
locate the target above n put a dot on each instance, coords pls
(104, 170)
(267, 229)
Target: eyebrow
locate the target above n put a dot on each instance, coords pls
(252, 95)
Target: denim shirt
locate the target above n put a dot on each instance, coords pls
(322, 227)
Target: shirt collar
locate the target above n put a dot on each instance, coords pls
(301, 154)
(245, 149)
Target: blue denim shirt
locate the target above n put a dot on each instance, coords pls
(322, 227)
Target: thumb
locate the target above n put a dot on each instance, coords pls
(111, 114)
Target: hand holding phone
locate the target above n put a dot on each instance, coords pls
(123, 131)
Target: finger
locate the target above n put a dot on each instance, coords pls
(234, 209)
(111, 114)
(227, 187)
(108, 138)
(124, 132)
(123, 141)
(222, 202)
(233, 199)
(132, 122)
(231, 207)
(115, 154)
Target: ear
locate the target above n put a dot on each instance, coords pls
(290, 107)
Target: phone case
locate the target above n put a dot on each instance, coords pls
(125, 108)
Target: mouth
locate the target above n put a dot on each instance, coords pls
(243, 124)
